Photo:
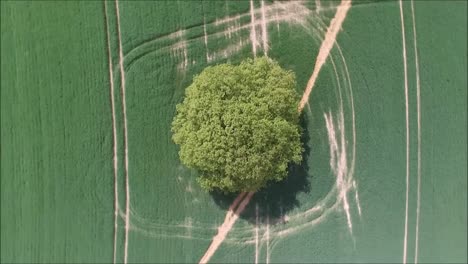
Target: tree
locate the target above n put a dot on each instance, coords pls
(239, 125)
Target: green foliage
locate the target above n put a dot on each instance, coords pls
(239, 125)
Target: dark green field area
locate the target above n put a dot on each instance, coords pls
(89, 173)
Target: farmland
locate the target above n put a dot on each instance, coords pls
(89, 172)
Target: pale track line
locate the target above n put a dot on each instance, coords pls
(343, 169)
(124, 110)
(281, 18)
(325, 48)
(418, 105)
(340, 168)
(311, 223)
(356, 197)
(353, 118)
(277, 23)
(205, 36)
(267, 233)
(353, 161)
(253, 35)
(114, 132)
(264, 30)
(405, 242)
(256, 233)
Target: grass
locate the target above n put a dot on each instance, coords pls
(57, 185)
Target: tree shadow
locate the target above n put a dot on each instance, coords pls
(278, 198)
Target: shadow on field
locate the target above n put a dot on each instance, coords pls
(278, 198)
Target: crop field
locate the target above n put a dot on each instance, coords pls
(90, 174)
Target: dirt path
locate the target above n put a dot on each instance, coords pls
(233, 206)
(325, 48)
(224, 229)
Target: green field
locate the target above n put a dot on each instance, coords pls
(89, 173)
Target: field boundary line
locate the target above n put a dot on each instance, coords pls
(124, 110)
(418, 105)
(405, 242)
(114, 131)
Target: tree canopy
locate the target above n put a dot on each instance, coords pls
(238, 125)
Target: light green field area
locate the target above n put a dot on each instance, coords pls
(384, 173)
